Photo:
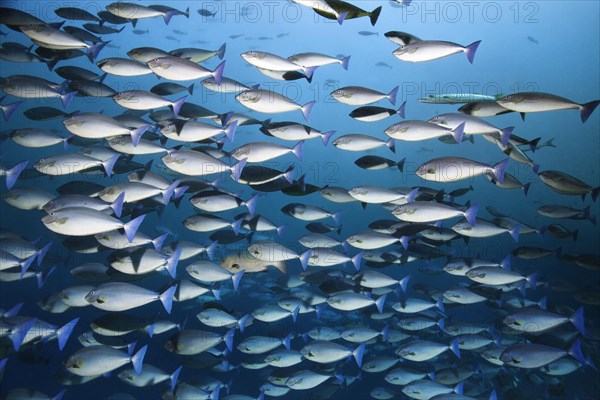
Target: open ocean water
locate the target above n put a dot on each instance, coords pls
(523, 325)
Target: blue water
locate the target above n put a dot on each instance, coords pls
(565, 61)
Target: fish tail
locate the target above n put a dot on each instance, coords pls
(110, 164)
(243, 321)
(176, 106)
(454, 347)
(42, 276)
(505, 263)
(345, 62)
(26, 264)
(307, 109)
(138, 358)
(174, 377)
(132, 226)
(93, 51)
(400, 164)
(358, 354)
(499, 169)
(458, 133)
(587, 109)
(295, 313)
(9, 109)
(526, 188)
(59, 395)
(217, 73)
(18, 333)
(532, 280)
(505, 134)
(341, 17)
(595, 192)
(471, 49)
(235, 225)
(190, 89)
(297, 150)
(401, 111)
(392, 95)
(304, 258)
(356, 260)
(404, 283)
(117, 205)
(471, 214)
(63, 333)
(67, 98)
(380, 302)
(533, 144)
(575, 351)
(136, 134)
(251, 204)
(578, 321)
(391, 144)
(166, 298)
(13, 174)
(326, 137)
(236, 278)
(374, 15)
(514, 232)
(168, 15)
(172, 262)
(543, 303)
(41, 253)
(440, 303)
(13, 311)
(236, 169)
(221, 51)
(230, 131)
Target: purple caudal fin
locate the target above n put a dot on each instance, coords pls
(505, 263)
(595, 193)
(385, 333)
(505, 134)
(341, 17)
(136, 134)
(287, 341)
(309, 71)
(166, 298)
(137, 359)
(471, 49)
(63, 333)
(93, 51)
(190, 89)
(523, 289)
(441, 323)
(493, 395)
(458, 389)
(526, 188)
(289, 174)
(380, 302)
(67, 98)
(356, 260)
(404, 283)
(533, 144)
(174, 377)
(17, 333)
(401, 111)
(230, 131)
(117, 205)
(228, 339)
(221, 51)
(304, 258)
(295, 313)
(471, 214)
(412, 195)
(13, 311)
(42, 276)
(9, 109)
(440, 303)
(499, 169)
(337, 217)
(210, 250)
(217, 73)
(243, 321)
(400, 164)
(454, 347)
(158, 241)
(543, 303)
(59, 395)
(281, 230)
(575, 351)
(172, 262)
(26, 264)
(251, 204)
(587, 109)
(297, 150)
(532, 280)
(150, 329)
(391, 144)
(168, 192)
(236, 278)
(326, 137)
(13, 174)
(345, 62)
(109, 164)
(374, 15)
(176, 105)
(168, 15)
(132, 226)
(236, 169)
(236, 225)
(578, 321)
(226, 117)
(358, 354)
(391, 96)
(458, 133)
(41, 253)
(307, 109)
(514, 232)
